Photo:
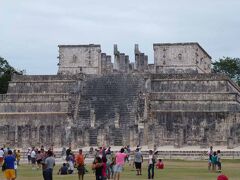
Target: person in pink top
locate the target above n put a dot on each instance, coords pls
(119, 162)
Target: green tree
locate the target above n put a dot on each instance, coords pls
(229, 66)
(6, 71)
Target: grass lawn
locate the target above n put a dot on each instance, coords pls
(174, 170)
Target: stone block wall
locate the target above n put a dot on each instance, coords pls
(181, 58)
(193, 109)
(121, 109)
(74, 59)
(35, 111)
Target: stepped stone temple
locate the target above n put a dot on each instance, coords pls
(93, 102)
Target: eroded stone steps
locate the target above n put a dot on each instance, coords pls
(230, 106)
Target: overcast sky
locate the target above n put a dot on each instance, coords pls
(30, 30)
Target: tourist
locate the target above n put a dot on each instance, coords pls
(33, 158)
(63, 153)
(91, 150)
(70, 163)
(138, 159)
(104, 168)
(48, 164)
(96, 153)
(151, 162)
(104, 152)
(160, 164)
(110, 162)
(100, 152)
(39, 159)
(97, 166)
(29, 155)
(128, 151)
(80, 165)
(219, 161)
(214, 161)
(18, 156)
(15, 168)
(118, 167)
(63, 170)
(68, 152)
(210, 154)
(9, 170)
(1, 156)
(5, 150)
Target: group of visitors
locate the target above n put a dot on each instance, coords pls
(39, 158)
(214, 160)
(43, 159)
(138, 160)
(106, 164)
(9, 160)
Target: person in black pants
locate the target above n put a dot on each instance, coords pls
(97, 166)
(151, 162)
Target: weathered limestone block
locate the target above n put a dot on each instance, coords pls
(181, 58)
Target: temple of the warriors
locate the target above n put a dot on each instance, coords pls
(96, 99)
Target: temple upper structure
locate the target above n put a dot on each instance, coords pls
(169, 58)
(181, 58)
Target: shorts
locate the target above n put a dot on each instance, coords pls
(219, 164)
(1, 160)
(33, 160)
(81, 170)
(39, 161)
(29, 158)
(117, 168)
(9, 174)
(138, 165)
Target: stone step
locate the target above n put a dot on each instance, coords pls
(230, 106)
(34, 107)
(189, 86)
(93, 133)
(193, 96)
(39, 97)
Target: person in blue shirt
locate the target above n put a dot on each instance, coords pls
(63, 170)
(9, 171)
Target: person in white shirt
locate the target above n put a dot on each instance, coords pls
(1, 156)
(33, 158)
(210, 154)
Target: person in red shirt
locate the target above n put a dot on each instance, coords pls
(80, 165)
(160, 164)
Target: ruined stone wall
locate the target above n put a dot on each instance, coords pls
(106, 64)
(189, 109)
(74, 59)
(35, 111)
(181, 58)
(121, 109)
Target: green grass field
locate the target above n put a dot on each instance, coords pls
(174, 170)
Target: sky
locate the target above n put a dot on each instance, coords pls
(31, 30)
